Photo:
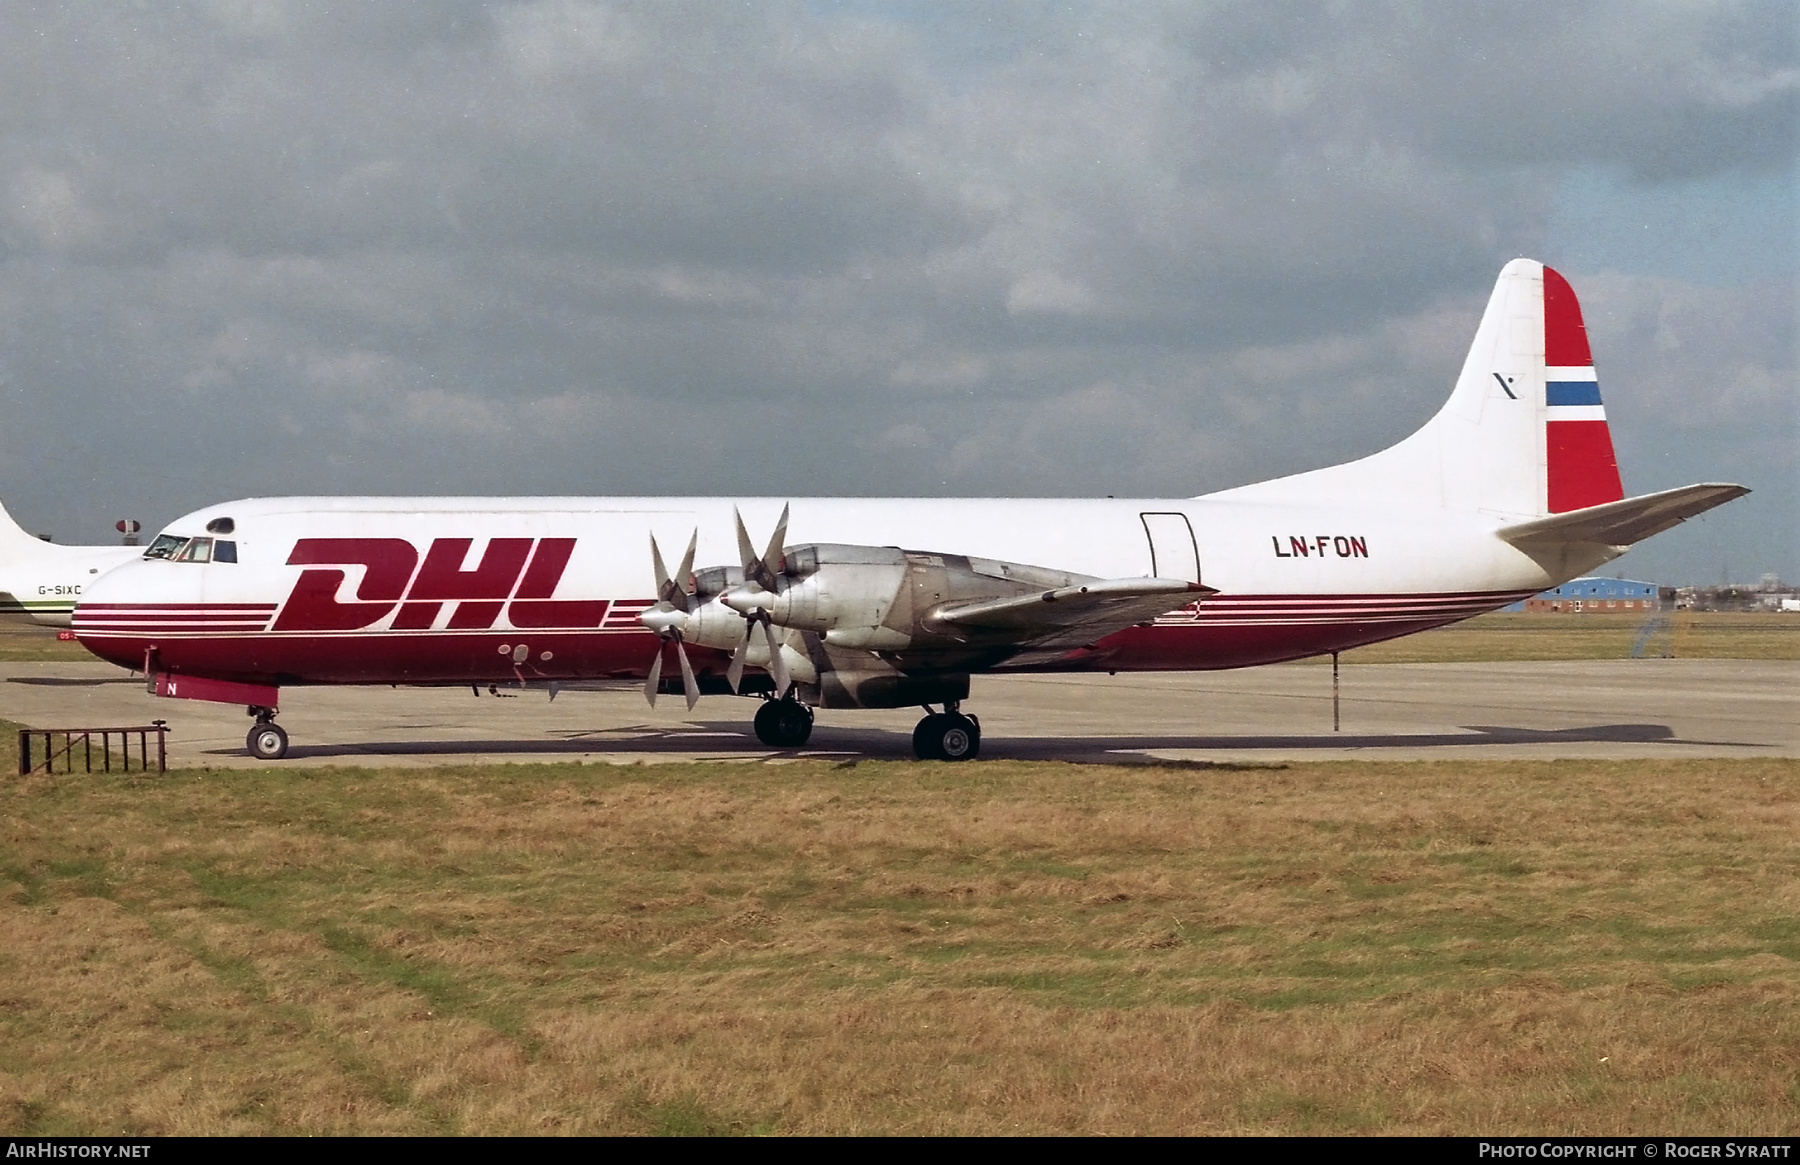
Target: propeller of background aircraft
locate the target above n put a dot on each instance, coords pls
(762, 577)
(668, 618)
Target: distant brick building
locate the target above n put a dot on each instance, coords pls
(1594, 595)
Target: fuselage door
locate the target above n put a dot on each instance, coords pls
(1173, 553)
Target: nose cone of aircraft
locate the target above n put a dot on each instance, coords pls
(117, 586)
(122, 609)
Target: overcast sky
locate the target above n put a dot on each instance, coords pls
(259, 247)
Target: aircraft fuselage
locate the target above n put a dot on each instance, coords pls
(370, 600)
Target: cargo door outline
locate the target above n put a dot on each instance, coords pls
(1173, 550)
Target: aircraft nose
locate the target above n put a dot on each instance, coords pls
(111, 586)
(131, 585)
(103, 621)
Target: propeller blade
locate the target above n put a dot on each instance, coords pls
(673, 591)
(655, 675)
(689, 684)
(771, 558)
(662, 572)
(777, 666)
(746, 551)
(687, 563)
(735, 672)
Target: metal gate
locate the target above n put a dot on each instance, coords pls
(65, 748)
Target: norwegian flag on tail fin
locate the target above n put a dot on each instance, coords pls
(1581, 468)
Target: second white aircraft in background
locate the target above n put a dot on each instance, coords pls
(40, 580)
(880, 603)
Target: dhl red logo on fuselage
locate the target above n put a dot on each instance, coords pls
(515, 574)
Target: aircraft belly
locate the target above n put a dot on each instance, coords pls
(498, 657)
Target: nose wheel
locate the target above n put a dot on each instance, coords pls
(947, 735)
(267, 740)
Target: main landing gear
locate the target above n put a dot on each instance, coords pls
(783, 723)
(267, 740)
(947, 735)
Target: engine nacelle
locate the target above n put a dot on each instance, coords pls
(713, 624)
(846, 594)
(881, 598)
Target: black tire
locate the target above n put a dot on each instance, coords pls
(783, 723)
(947, 736)
(267, 741)
(925, 738)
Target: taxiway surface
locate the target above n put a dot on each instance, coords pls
(1604, 709)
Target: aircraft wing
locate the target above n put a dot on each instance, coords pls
(1072, 615)
(1624, 522)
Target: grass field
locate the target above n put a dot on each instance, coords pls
(22, 642)
(1568, 947)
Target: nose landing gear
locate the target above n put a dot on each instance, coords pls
(267, 740)
(947, 735)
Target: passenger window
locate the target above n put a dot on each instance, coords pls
(165, 546)
(224, 551)
(199, 550)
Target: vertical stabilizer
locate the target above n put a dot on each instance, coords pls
(15, 544)
(1581, 469)
(1523, 434)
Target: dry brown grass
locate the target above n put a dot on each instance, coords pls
(22, 641)
(1517, 947)
(1689, 635)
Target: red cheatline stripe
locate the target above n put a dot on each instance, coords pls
(1231, 611)
(167, 632)
(151, 624)
(1368, 596)
(1325, 620)
(1351, 611)
(1368, 599)
(189, 620)
(1394, 605)
(185, 620)
(126, 620)
(179, 605)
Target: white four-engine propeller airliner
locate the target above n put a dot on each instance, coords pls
(881, 603)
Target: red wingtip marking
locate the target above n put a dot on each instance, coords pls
(1565, 336)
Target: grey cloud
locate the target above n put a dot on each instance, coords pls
(580, 247)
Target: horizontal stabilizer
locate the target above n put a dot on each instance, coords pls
(1624, 522)
(1087, 611)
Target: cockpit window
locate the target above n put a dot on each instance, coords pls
(177, 548)
(165, 546)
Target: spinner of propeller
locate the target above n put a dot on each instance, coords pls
(677, 606)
